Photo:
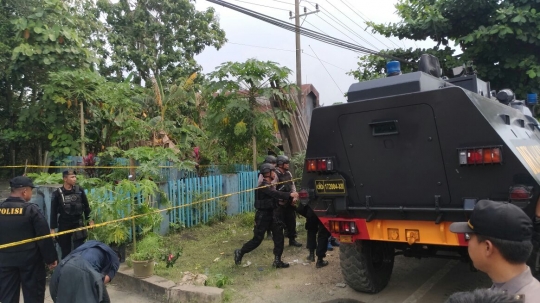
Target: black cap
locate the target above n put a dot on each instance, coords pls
(69, 172)
(21, 181)
(499, 220)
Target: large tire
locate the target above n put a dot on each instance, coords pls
(367, 265)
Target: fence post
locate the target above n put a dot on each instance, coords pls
(230, 185)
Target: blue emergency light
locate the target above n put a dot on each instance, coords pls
(393, 68)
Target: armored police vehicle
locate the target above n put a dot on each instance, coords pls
(390, 170)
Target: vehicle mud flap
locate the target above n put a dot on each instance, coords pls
(367, 265)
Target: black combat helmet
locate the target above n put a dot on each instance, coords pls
(270, 159)
(266, 168)
(282, 159)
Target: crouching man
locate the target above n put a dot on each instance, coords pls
(81, 276)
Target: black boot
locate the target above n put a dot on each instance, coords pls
(278, 263)
(293, 242)
(311, 257)
(238, 257)
(321, 263)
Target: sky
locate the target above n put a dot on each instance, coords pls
(344, 19)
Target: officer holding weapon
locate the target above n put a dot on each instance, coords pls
(287, 185)
(267, 214)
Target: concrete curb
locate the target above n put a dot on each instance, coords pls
(163, 290)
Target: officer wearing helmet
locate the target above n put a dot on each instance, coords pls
(266, 204)
(271, 160)
(288, 210)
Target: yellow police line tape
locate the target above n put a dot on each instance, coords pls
(89, 167)
(132, 217)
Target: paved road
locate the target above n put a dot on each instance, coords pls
(117, 296)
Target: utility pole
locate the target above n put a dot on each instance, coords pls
(292, 135)
(298, 49)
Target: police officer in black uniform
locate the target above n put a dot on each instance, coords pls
(266, 215)
(68, 206)
(23, 264)
(271, 160)
(289, 212)
(317, 235)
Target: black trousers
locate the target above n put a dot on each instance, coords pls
(263, 220)
(317, 234)
(32, 278)
(65, 240)
(289, 218)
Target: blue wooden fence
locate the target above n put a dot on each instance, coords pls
(246, 180)
(191, 194)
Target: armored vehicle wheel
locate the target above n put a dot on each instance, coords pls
(367, 265)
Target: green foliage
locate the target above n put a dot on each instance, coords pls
(127, 198)
(48, 179)
(157, 37)
(298, 163)
(247, 219)
(219, 280)
(149, 248)
(501, 38)
(236, 114)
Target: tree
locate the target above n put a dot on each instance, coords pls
(501, 38)
(237, 114)
(38, 36)
(157, 38)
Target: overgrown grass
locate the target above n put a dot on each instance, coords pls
(209, 250)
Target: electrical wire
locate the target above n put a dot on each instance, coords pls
(335, 19)
(281, 9)
(356, 23)
(306, 32)
(326, 70)
(283, 2)
(365, 21)
(287, 50)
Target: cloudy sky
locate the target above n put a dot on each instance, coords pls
(343, 19)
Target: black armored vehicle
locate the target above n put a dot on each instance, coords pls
(390, 170)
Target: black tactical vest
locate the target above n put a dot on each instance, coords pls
(262, 200)
(15, 224)
(283, 177)
(72, 203)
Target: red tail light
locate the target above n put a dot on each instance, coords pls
(342, 227)
(485, 155)
(520, 192)
(311, 165)
(319, 165)
(303, 194)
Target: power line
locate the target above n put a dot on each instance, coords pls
(281, 9)
(335, 19)
(326, 70)
(306, 32)
(355, 22)
(283, 2)
(286, 50)
(316, 27)
(365, 21)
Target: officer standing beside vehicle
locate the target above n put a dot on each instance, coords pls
(23, 264)
(317, 236)
(69, 210)
(266, 205)
(287, 185)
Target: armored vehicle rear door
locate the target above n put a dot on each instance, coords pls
(395, 157)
